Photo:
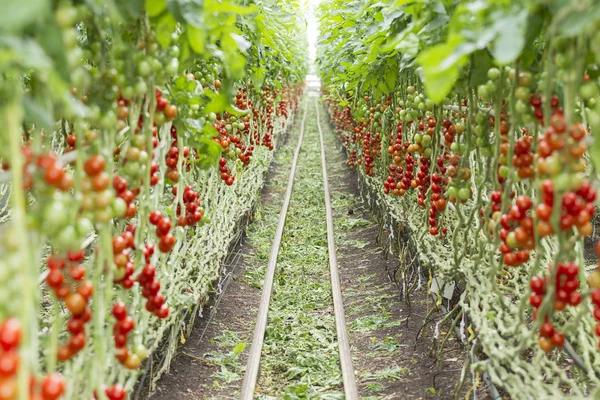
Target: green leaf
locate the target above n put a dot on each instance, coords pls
(37, 114)
(578, 20)
(196, 38)
(441, 68)
(17, 14)
(239, 348)
(51, 39)
(511, 37)
(130, 8)
(164, 30)
(155, 7)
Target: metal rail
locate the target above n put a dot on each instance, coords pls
(252, 368)
(348, 377)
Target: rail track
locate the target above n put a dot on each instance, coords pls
(254, 359)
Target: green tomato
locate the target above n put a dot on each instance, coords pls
(173, 66)
(159, 118)
(410, 89)
(523, 93)
(426, 140)
(103, 216)
(589, 90)
(452, 191)
(138, 141)
(55, 216)
(119, 207)
(67, 238)
(562, 182)
(144, 68)
(143, 157)
(212, 117)
(503, 171)
(427, 152)
(141, 88)
(131, 168)
(511, 240)
(521, 107)
(85, 226)
(486, 151)
(418, 138)
(493, 74)
(464, 193)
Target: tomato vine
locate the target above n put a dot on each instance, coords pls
(487, 114)
(137, 135)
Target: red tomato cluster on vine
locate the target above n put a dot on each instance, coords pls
(538, 112)
(565, 293)
(51, 387)
(523, 157)
(193, 211)
(47, 166)
(517, 232)
(123, 326)
(155, 302)
(577, 209)
(122, 245)
(166, 240)
(76, 292)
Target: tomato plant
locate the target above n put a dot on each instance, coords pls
(121, 122)
(489, 123)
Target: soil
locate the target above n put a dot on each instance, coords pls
(391, 348)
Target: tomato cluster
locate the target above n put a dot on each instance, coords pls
(517, 232)
(523, 157)
(52, 386)
(172, 157)
(576, 211)
(155, 302)
(560, 147)
(193, 212)
(121, 329)
(122, 246)
(76, 293)
(371, 147)
(163, 231)
(47, 166)
(565, 293)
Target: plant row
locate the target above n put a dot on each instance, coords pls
(476, 125)
(136, 136)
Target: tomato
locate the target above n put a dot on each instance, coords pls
(86, 290)
(558, 339)
(545, 344)
(77, 342)
(547, 329)
(53, 386)
(94, 165)
(64, 353)
(133, 361)
(170, 112)
(9, 363)
(10, 334)
(75, 303)
(8, 388)
(116, 392)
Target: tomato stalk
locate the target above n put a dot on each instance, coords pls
(13, 115)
